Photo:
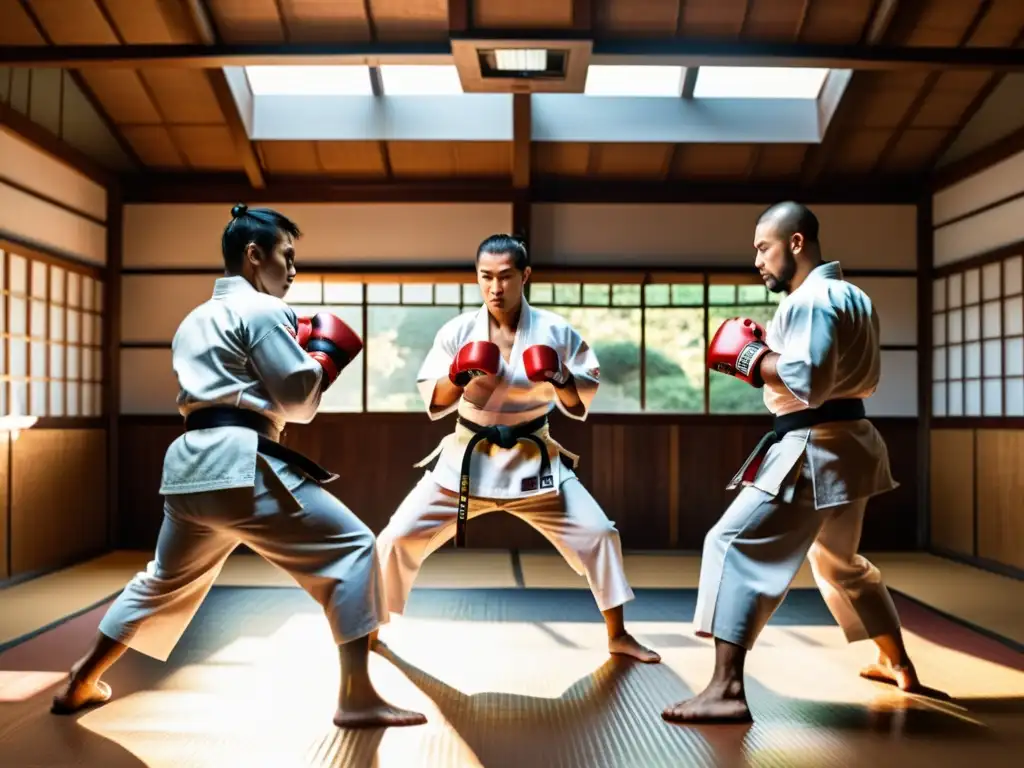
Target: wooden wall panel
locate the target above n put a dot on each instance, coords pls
(985, 188)
(32, 169)
(713, 234)
(5, 447)
(662, 481)
(1000, 486)
(332, 233)
(58, 497)
(28, 218)
(952, 490)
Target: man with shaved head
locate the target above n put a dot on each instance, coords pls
(806, 486)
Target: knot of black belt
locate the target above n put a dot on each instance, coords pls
(503, 436)
(214, 416)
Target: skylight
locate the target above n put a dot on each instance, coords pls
(633, 80)
(758, 83)
(310, 80)
(420, 80)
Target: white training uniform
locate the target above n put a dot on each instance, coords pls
(238, 349)
(809, 495)
(556, 505)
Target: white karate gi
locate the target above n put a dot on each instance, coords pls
(809, 495)
(237, 350)
(556, 505)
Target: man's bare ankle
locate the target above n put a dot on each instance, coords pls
(728, 686)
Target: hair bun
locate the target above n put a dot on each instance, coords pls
(239, 210)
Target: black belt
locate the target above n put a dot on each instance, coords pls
(503, 437)
(829, 411)
(227, 416)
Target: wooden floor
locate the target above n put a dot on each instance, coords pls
(521, 693)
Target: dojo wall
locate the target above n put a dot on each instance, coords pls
(977, 435)
(53, 469)
(660, 476)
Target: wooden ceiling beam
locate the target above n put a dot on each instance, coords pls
(83, 87)
(522, 143)
(582, 15)
(927, 87)
(202, 20)
(459, 15)
(684, 52)
(875, 31)
(690, 82)
(976, 104)
(229, 188)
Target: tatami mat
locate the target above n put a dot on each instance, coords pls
(986, 600)
(253, 682)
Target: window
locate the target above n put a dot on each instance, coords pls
(650, 334)
(340, 80)
(420, 80)
(634, 80)
(51, 361)
(759, 83)
(308, 296)
(725, 393)
(608, 316)
(978, 341)
(402, 320)
(674, 331)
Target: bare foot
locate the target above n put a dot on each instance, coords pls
(627, 645)
(78, 695)
(903, 676)
(375, 713)
(718, 703)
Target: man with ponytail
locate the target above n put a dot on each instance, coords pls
(246, 366)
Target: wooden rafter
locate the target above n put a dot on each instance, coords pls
(926, 91)
(875, 57)
(976, 104)
(521, 141)
(224, 188)
(805, 11)
(207, 31)
(87, 92)
(875, 31)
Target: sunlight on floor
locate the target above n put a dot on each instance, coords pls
(265, 700)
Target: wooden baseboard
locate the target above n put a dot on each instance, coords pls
(59, 566)
(979, 562)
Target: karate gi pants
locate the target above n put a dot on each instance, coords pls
(571, 520)
(754, 552)
(306, 532)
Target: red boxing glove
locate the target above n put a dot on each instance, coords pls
(478, 358)
(542, 364)
(304, 330)
(330, 342)
(738, 349)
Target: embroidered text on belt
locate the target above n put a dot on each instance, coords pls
(228, 416)
(829, 411)
(504, 437)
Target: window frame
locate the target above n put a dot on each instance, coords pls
(98, 382)
(946, 277)
(707, 278)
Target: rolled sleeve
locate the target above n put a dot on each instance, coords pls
(808, 362)
(292, 378)
(581, 360)
(435, 367)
